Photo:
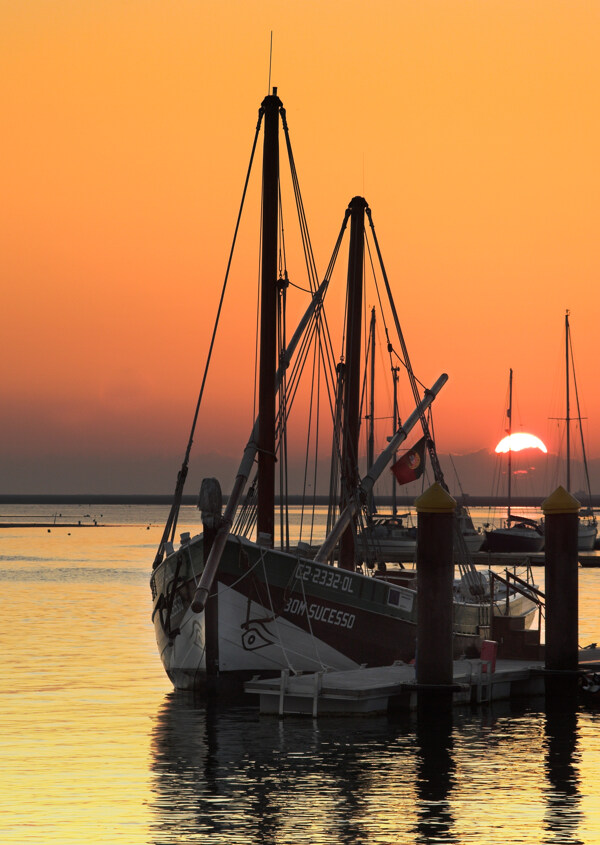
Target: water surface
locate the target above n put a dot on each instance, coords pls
(97, 747)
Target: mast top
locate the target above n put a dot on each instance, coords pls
(272, 100)
(358, 202)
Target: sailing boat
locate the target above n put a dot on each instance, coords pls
(588, 528)
(384, 538)
(392, 538)
(229, 604)
(519, 534)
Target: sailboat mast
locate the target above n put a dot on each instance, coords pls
(371, 438)
(394, 430)
(351, 421)
(268, 320)
(568, 408)
(509, 415)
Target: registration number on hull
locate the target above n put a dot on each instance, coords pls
(324, 576)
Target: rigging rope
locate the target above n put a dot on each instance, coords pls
(462, 551)
(583, 454)
(171, 524)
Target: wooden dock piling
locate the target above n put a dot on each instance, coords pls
(562, 607)
(435, 574)
(562, 602)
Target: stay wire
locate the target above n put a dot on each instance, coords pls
(171, 524)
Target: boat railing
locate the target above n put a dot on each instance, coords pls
(514, 584)
(528, 587)
(518, 585)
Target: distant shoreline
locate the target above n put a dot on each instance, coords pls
(147, 499)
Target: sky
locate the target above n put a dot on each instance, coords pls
(470, 126)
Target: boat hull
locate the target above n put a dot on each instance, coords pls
(586, 537)
(270, 611)
(525, 540)
(392, 545)
(474, 540)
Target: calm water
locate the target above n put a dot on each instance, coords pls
(96, 747)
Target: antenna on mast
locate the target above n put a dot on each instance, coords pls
(270, 61)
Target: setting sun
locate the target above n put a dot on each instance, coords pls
(518, 441)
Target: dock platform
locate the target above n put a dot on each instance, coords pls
(509, 559)
(375, 690)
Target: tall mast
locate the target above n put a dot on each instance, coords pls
(351, 422)
(371, 439)
(568, 408)
(509, 415)
(394, 430)
(268, 320)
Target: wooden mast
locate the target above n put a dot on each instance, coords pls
(509, 415)
(394, 430)
(371, 438)
(568, 408)
(268, 321)
(351, 422)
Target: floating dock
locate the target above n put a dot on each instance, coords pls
(509, 559)
(376, 690)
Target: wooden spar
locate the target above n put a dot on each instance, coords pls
(371, 438)
(351, 420)
(246, 464)
(375, 471)
(268, 320)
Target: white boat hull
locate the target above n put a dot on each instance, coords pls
(586, 537)
(277, 612)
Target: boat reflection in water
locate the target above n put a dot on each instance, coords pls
(234, 776)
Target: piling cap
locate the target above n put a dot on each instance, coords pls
(435, 500)
(560, 502)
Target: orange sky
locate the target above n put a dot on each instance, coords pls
(472, 129)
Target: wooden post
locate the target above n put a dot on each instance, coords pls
(210, 503)
(561, 511)
(435, 575)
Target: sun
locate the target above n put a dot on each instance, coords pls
(518, 441)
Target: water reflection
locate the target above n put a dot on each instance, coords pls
(95, 750)
(436, 770)
(234, 776)
(237, 776)
(563, 799)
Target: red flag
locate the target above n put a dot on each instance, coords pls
(411, 465)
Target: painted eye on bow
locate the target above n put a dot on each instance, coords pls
(256, 637)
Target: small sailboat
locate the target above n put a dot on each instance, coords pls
(392, 538)
(246, 598)
(473, 537)
(519, 533)
(384, 538)
(588, 526)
